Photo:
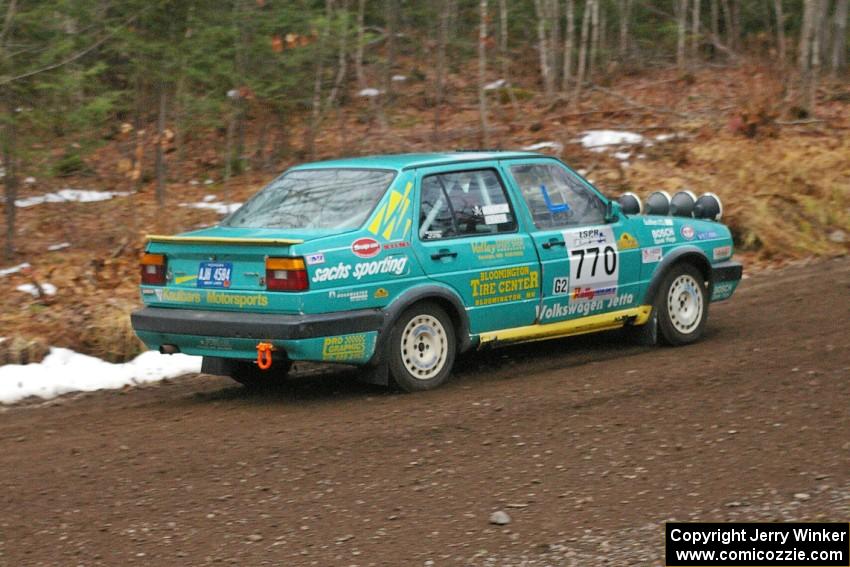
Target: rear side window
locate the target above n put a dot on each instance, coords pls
(556, 197)
(465, 203)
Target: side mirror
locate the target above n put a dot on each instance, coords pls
(613, 211)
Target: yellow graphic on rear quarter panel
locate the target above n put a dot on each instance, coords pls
(391, 220)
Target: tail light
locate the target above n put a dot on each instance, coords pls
(153, 269)
(286, 274)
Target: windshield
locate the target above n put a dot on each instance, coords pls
(314, 199)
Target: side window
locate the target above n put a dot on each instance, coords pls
(556, 197)
(466, 203)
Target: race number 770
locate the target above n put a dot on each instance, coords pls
(609, 262)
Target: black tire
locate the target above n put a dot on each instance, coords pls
(249, 374)
(682, 305)
(422, 348)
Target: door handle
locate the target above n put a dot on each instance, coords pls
(443, 254)
(553, 242)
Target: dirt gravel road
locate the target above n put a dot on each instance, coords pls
(588, 444)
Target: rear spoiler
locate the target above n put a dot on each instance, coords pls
(224, 240)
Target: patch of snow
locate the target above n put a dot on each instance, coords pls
(495, 85)
(14, 269)
(220, 208)
(209, 198)
(47, 288)
(63, 371)
(369, 92)
(208, 181)
(29, 180)
(557, 146)
(665, 137)
(599, 140)
(70, 196)
(622, 156)
(60, 246)
(399, 78)
(193, 182)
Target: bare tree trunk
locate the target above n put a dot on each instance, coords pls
(160, 146)
(809, 57)
(482, 72)
(728, 25)
(442, 40)
(543, 49)
(715, 21)
(594, 40)
(342, 57)
(503, 52)
(682, 28)
(625, 13)
(316, 104)
(392, 31)
(361, 33)
(780, 31)
(695, 30)
(583, 46)
(839, 39)
(10, 180)
(554, 16)
(569, 45)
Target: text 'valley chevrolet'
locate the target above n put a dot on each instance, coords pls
(396, 263)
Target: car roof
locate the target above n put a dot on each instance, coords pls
(413, 160)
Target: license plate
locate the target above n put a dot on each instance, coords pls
(214, 274)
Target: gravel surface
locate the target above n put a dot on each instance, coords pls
(589, 445)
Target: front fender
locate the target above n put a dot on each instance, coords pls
(691, 254)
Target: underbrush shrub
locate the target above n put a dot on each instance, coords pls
(22, 350)
(107, 334)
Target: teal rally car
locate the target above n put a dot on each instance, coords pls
(396, 263)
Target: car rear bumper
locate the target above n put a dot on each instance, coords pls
(259, 326)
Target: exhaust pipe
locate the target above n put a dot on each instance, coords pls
(169, 349)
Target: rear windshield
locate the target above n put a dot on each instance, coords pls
(314, 199)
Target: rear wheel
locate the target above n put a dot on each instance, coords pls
(249, 374)
(681, 305)
(422, 348)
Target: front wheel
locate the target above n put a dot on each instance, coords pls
(681, 305)
(422, 348)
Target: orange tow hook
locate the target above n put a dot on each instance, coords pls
(264, 355)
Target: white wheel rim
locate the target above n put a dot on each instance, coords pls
(424, 347)
(684, 303)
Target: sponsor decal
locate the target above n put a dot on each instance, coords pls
(158, 292)
(707, 235)
(688, 232)
(396, 245)
(582, 308)
(345, 347)
(313, 259)
(663, 236)
(433, 235)
(627, 242)
(495, 209)
(657, 222)
(590, 293)
(237, 300)
(185, 279)
(394, 265)
(722, 252)
(366, 247)
(352, 296)
(381, 293)
(504, 285)
(215, 343)
(651, 255)
(179, 296)
(496, 219)
(499, 249)
(722, 290)
(560, 286)
(149, 292)
(594, 259)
